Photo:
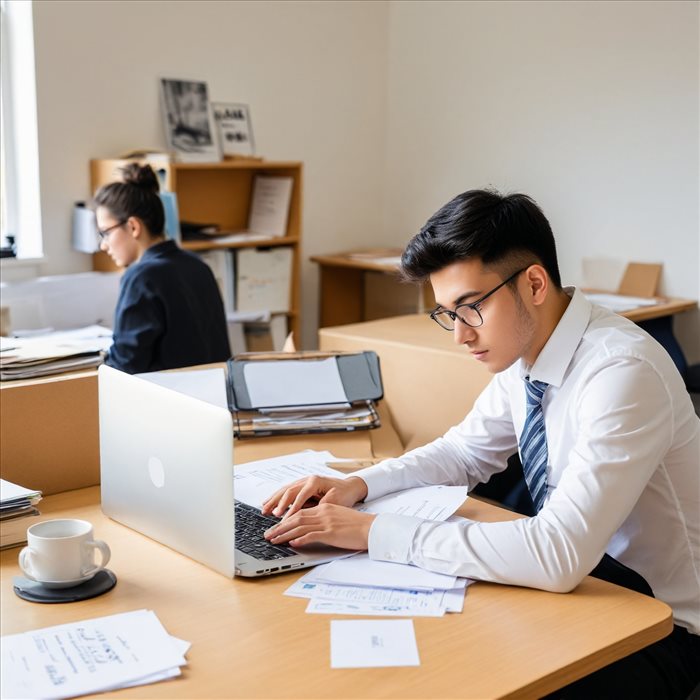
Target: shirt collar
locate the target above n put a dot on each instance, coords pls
(162, 248)
(556, 355)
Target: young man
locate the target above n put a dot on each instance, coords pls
(605, 429)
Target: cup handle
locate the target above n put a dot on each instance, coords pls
(24, 562)
(104, 551)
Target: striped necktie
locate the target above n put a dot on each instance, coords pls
(533, 443)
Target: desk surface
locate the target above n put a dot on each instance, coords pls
(249, 641)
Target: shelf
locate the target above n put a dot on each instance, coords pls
(262, 243)
(220, 193)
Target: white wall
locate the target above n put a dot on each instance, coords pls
(589, 107)
(313, 73)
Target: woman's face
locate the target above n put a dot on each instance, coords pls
(117, 238)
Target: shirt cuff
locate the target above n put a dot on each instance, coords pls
(391, 537)
(378, 483)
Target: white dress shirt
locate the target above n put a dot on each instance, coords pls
(623, 470)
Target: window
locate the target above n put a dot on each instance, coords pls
(19, 192)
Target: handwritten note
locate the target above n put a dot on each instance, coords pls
(89, 656)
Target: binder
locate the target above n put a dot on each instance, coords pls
(360, 377)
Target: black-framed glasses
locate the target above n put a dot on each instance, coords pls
(104, 233)
(468, 314)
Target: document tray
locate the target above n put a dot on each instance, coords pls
(359, 373)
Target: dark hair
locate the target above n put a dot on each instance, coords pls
(507, 231)
(136, 196)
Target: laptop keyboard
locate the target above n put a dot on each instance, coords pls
(251, 524)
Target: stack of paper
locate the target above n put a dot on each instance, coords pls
(379, 588)
(619, 302)
(90, 656)
(53, 353)
(17, 513)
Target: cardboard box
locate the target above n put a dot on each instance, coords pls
(49, 437)
(430, 383)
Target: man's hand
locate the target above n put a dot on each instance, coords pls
(326, 523)
(318, 489)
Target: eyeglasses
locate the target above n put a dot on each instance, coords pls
(105, 232)
(468, 314)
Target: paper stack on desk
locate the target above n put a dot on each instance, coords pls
(379, 590)
(91, 656)
(53, 353)
(17, 513)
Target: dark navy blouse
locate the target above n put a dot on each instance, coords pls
(169, 313)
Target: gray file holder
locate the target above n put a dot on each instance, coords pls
(359, 373)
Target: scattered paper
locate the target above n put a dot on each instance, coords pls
(255, 482)
(90, 656)
(373, 643)
(619, 302)
(360, 570)
(426, 502)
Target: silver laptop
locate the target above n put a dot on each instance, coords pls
(166, 461)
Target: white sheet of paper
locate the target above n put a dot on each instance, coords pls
(373, 643)
(87, 657)
(427, 502)
(391, 600)
(618, 302)
(205, 384)
(360, 570)
(255, 482)
(334, 607)
(294, 382)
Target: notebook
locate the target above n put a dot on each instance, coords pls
(166, 462)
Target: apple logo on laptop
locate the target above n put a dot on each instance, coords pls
(156, 471)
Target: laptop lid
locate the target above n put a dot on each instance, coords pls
(167, 467)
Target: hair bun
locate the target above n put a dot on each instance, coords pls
(141, 176)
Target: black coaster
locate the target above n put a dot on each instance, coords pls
(100, 583)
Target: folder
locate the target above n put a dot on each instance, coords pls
(315, 392)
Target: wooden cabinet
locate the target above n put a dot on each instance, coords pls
(220, 193)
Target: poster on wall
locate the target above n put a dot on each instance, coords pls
(235, 129)
(189, 128)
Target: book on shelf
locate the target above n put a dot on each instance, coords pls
(269, 207)
(263, 279)
(221, 264)
(17, 512)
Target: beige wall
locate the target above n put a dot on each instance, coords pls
(590, 107)
(313, 74)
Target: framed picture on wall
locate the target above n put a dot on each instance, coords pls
(235, 130)
(189, 127)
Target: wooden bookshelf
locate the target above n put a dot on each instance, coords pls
(220, 193)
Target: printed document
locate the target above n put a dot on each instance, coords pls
(90, 656)
(373, 643)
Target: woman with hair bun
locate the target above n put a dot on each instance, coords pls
(169, 312)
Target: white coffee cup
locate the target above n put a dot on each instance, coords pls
(61, 553)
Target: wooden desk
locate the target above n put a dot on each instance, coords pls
(355, 289)
(248, 641)
(344, 294)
